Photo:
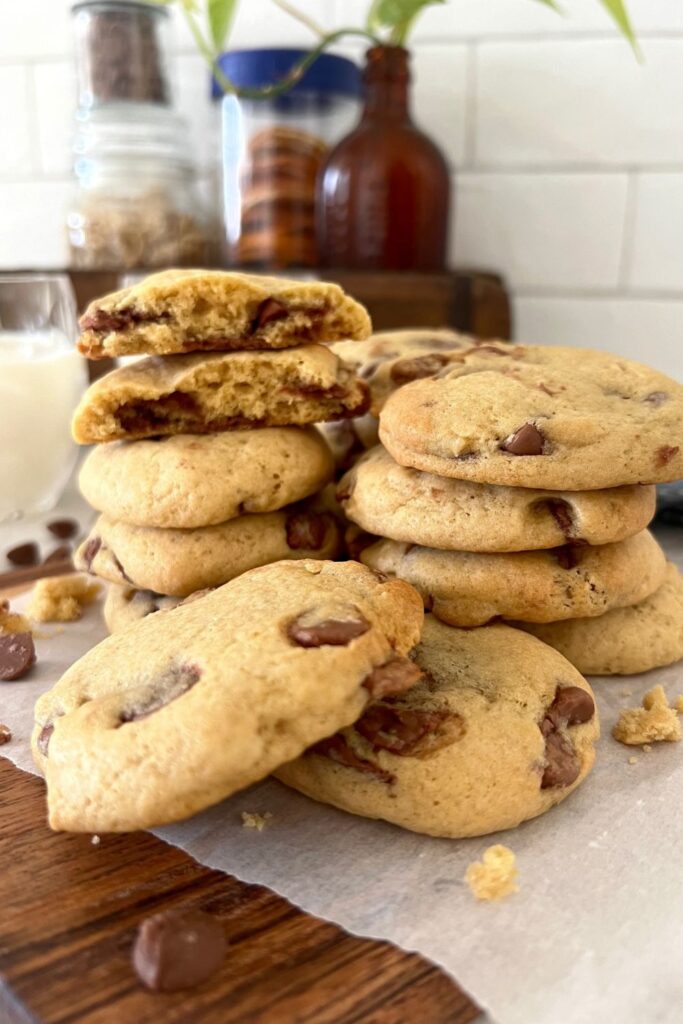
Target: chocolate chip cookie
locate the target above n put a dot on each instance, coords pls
(409, 505)
(495, 733)
(201, 394)
(189, 706)
(200, 310)
(195, 480)
(529, 416)
(623, 641)
(467, 588)
(178, 562)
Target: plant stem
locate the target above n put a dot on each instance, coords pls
(300, 16)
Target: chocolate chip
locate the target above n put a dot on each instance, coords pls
(395, 676)
(268, 312)
(60, 554)
(482, 346)
(665, 454)
(177, 681)
(327, 632)
(527, 440)
(562, 765)
(44, 737)
(546, 390)
(89, 551)
(656, 398)
(5, 734)
(119, 566)
(401, 731)
(63, 529)
(17, 655)
(567, 557)
(561, 511)
(306, 530)
(24, 554)
(338, 749)
(573, 705)
(173, 411)
(406, 370)
(178, 949)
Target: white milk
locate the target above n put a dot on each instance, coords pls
(41, 379)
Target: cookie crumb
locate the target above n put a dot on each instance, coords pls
(647, 748)
(627, 693)
(250, 819)
(678, 704)
(495, 876)
(633, 760)
(5, 734)
(95, 840)
(61, 598)
(656, 721)
(12, 622)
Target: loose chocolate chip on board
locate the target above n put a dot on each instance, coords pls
(178, 949)
(395, 676)
(327, 632)
(5, 734)
(527, 440)
(44, 737)
(17, 655)
(60, 554)
(562, 765)
(90, 550)
(63, 529)
(573, 705)
(24, 554)
(665, 454)
(407, 370)
(177, 681)
(656, 398)
(268, 312)
(337, 749)
(306, 530)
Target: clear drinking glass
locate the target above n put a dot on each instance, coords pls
(42, 377)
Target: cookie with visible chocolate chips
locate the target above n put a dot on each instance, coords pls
(187, 707)
(409, 505)
(495, 733)
(467, 588)
(533, 416)
(179, 562)
(202, 310)
(198, 480)
(203, 394)
(624, 641)
(124, 605)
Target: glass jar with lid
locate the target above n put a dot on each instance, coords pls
(273, 150)
(136, 202)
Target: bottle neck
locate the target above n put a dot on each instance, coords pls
(387, 80)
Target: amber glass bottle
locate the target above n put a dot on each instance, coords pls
(384, 190)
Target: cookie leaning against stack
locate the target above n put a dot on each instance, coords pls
(206, 456)
(516, 481)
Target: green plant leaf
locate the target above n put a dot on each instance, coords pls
(397, 16)
(551, 3)
(220, 14)
(617, 10)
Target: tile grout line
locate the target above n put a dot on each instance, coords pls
(628, 233)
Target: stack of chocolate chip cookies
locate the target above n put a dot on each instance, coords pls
(516, 482)
(206, 459)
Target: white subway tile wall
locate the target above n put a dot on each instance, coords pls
(567, 154)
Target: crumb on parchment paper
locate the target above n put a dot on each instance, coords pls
(495, 876)
(250, 819)
(633, 760)
(12, 622)
(655, 722)
(61, 598)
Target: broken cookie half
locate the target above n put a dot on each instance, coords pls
(497, 731)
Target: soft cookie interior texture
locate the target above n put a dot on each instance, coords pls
(496, 732)
(193, 480)
(421, 508)
(532, 416)
(184, 708)
(199, 394)
(194, 310)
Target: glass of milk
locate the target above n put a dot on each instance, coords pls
(42, 377)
